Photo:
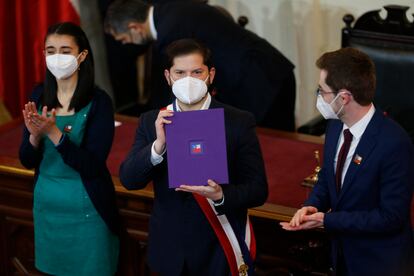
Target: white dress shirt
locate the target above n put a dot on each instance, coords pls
(357, 130)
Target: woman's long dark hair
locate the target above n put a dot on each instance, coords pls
(86, 80)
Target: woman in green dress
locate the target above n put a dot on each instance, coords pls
(69, 129)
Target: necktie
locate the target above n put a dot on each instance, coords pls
(343, 152)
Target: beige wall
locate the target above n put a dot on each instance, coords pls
(303, 30)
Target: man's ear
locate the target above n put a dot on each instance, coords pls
(212, 74)
(167, 77)
(345, 96)
(135, 26)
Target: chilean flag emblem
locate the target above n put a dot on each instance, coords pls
(196, 148)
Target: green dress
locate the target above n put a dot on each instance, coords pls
(70, 236)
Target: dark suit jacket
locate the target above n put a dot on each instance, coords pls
(370, 219)
(250, 71)
(89, 160)
(179, 231)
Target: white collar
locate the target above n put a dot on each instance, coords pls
(359, 127)
(151, 22)
(205, 106)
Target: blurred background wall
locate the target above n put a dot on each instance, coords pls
(302, 30)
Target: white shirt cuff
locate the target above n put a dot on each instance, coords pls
(219, 203)
(155, 157)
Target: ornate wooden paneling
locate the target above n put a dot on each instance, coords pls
(16, 225)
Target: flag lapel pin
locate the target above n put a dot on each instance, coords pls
(67, 128)
(357, 159)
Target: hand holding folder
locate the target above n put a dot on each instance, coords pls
(196, 148)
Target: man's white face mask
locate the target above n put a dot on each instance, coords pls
(189, 90)
(326, 108)
(62, 66)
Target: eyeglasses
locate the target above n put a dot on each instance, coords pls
(320, 92)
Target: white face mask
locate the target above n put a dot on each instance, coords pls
(189, 90)
(326, 108)
(62, 66)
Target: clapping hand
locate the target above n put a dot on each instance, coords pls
(41, 124)
(307, 217)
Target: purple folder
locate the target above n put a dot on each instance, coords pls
(196, 148)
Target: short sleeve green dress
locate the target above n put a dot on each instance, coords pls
(70, 236)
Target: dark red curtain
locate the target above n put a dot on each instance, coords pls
(23, 25)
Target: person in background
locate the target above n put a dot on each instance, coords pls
(182, 240)
(68, 133)
(364, 190)
(254, 76)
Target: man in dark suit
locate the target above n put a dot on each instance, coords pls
(181, 239)
(253, 75)
(363, 194)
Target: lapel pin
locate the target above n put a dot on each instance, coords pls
(357, 159)
(67, 128)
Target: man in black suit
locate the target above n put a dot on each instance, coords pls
(253, 75)
(182, 236)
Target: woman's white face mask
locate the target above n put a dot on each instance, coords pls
(189, 90)
(62, 66)
(326, 108)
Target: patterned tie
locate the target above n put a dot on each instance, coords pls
(342, 157)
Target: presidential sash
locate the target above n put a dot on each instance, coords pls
(240, 254)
